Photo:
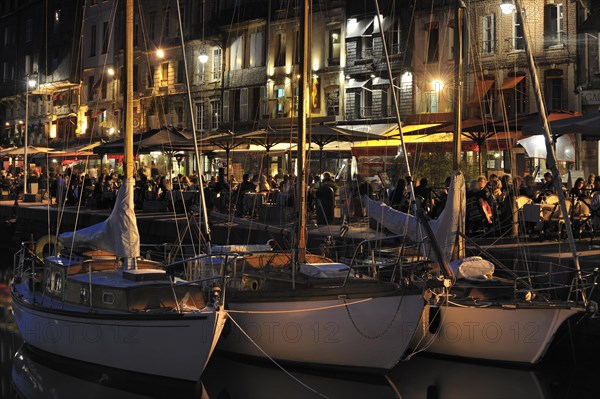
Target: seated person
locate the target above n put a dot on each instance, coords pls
(263, 185)
(578, 191)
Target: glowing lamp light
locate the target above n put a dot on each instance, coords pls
(437, 85)
(52, 130)
(203, 58)
(507, 7)
(31, 83)
(160, 53)
(111, 72)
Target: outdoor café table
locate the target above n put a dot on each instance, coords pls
(185, 196)
(253, 200)
(283, 198)
(539, 212)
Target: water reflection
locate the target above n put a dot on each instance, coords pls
(236, 378)
(37, 375)
(424, 377)
(40, 375)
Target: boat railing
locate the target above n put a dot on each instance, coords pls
(26, 264)
(360, 249)
(559, 282)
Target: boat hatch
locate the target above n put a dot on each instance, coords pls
(54, 282)
(108, 298)
(145, 275)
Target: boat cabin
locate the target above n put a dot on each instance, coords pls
(100, 284)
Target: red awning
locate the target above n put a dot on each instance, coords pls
(479, 91)
(511, 81)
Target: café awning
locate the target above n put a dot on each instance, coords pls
(535, 146)
(167, 139)
(588, 125)
(479, 92)
(511, 82)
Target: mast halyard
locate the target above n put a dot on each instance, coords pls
(204, 211)
(458, 83)
(300, 240)
(418, 211)
(551, 154)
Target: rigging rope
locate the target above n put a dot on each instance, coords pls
(274, 361)
(345, 304)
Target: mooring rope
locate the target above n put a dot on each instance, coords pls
(274, 361)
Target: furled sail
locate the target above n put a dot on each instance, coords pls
(117, 234)
(445, 227)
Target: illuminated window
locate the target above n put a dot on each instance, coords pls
(215, 107)
(256, 49)
(280, 50)
(489, 34)
(164, 73)
(553, 25)
(335, 43)
(433, 44)
(217, 64)
(236, 53)
(517, 40)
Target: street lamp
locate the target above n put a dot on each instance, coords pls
(507, 7)
(31, 83)
(203, 57)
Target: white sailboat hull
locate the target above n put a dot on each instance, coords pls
(516, 335)
(174, 347)
(371, 335)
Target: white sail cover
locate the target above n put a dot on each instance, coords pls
(117, 234)
(445, 227)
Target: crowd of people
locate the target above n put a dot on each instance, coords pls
(490, 201)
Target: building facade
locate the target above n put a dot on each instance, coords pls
(243, 56)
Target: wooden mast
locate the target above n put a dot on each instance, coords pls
(300, 241)
(129, 161)
(458, 107)
(129, 263)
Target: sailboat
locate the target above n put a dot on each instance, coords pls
(482, 315)
(98, 302)
(300, 308)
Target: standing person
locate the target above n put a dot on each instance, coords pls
(424, 191)
(61, 189)
(245, 186)
(398, 195)
(328, 181)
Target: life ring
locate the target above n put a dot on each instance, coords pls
(46, 241)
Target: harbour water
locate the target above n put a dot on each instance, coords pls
(569, 370)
